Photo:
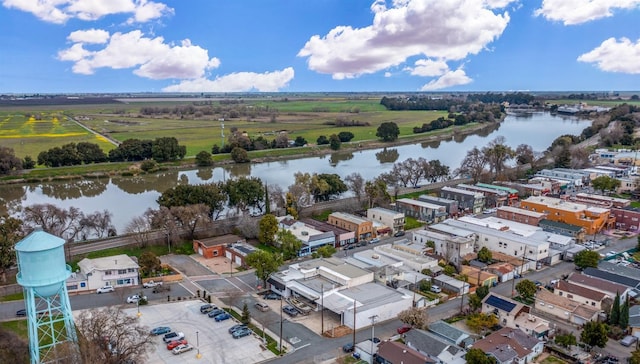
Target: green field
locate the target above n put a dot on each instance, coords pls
(604, 103)
(305, 117)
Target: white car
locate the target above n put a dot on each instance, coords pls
(151, 284)
(105, 289)
(181, 349)
(135, 298)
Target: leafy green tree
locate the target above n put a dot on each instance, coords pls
(289, 244)
(635, 357)
(239, 155)
(334, 142)
(148, 165)
(605, 183)
(300, 141)
(245, 193)
(477, 356)
(167, 149)
(475, 302)
(482, 291)
(264, 263)
(204, 159)
(614, 315)
(388, 131)
(326, 251)
(149, 263)
(212, 195)
(10, 234)
(268, 228)
(345, 136)
(586, 258)
(481, 322)
(91, 153)
(325, 186)
(624, 315)
(594, 334)
(28, 162)
(376, 192)
(566, 340)
(449, 270)
(526, 289)
(484, 255)
(322, 139)
(246, 315)
(425, 285)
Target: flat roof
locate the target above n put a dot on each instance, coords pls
(557, 203)
(482, 189)
(592, 196)
(349, 217)
(451, 230)
(334, 264)
(410, 201)
(496, 233)
(113, 262)
(373, 295)
(520, 211)
(461, 191)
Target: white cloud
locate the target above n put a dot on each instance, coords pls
(91, 36)
(449, 79)
(387, 74)
(150, 57)
(572, 12)
(445, 30)
(237, 82)
(428, 68)
(59, 11)
(615, 56)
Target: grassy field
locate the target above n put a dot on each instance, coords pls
(604, 103)
(308, 118)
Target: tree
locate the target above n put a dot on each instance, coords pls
(475, 302)
(111, 336)
(326, 251)
(325, 186)
(376, 192)
(449, 270)
(477, 356)
(526, 289)
(322, 139)
(300, 141)
(473, 165)
(10, 234)
(482, 291)
(414, 317)
(212, 195)
(345, 136)
(614, 315)
(334, 142)
(289, 244)
(566, 340)
(594, 334)
(246, 315)
(388, 131)
(484, 255)
(8, 161)
(54, 220)
(268, 227)
(605, 183)
(497, 154)
(204, 159)
(635, 357)
(167, 149)
(245, 193)
(586, 258)
(624, 315)
(239, 155)
(355, 183)
(480, 322)
(264, 263)
(13, 349)
(149, 263)
(139, 227)
(190, 217)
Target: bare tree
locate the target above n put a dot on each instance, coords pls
(140, 227)
(473, 165)
(248, 226)
(414, 317)
(355, 183)
(276, 195)
(164, 219)
(579, 158)
(191, 216)
(497, 153)
(112, 336)
(97, 224)
(54, 220)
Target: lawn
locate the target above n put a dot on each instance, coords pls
(552, 360)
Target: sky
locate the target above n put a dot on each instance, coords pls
(199, 46)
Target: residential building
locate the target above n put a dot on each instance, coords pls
(520, 215)
(627, 218)
(409, 257)
(592, 219)
(573, 178)
(420, 210)
(310, 238)
(505, 309)
(479, 277)
(451, 333)
(512, 193)
(214, 247)
(117, 271)
(580, 294)
(510, 346)
(618, 277)
(450, 248)
(609, 288)
(451, 206)
(468, 201)
(492, 197)
(388, 218)
(634, 320)
(393, 352)
(451, 284)
(564, 308)
(602, 201)
(363, 228)
(574, 231)
(343, 237)
(504, 271)
(435, 347)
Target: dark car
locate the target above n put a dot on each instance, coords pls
(160, 330)
(399, 233)
(236, 327)
(272, 296)
(215, 312)
(347, 348)
(207, 308)
(21, 313)
(222, 317)
(290, 311)
(241, 333)
(402, 329)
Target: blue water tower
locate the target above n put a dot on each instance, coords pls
(42, 272)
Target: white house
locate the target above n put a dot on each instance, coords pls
(117, 271)
(389, 218)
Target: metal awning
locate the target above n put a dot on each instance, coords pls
(279, 286)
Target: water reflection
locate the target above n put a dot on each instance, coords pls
(74, 189)
(205, 174)
(388, 155)
(339, 157)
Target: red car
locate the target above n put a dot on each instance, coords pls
(403, 329)
(175, 343)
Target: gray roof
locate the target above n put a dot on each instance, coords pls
(448, 332)
(428, 342)
(616, 269)
(613, 277)
(634, 316)
(560, 225)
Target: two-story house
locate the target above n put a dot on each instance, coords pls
(116, 271)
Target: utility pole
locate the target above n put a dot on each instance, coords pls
(373, 326)
(513, 284)
(281, 298)
(321, 309)
(354, 324)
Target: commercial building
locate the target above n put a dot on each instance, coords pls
(520, 215)
(493, 197)
(592, 219)
(451, 206)
(117, 271)
(343, 237)
(468, 201)
(310, 238)
(362, 228)
(215, 247)
(420, 210)
(451, 248)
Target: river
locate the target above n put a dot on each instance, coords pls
(127, 197)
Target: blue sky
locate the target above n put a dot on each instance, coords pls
(76, 46)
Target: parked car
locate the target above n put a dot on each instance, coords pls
(181, 349)
(136, 298)
(241, 333)
(174, 343)
(160, 330)
(105, 289)
(215, 312)
(374, 240)
(399, 233)
(402, 329)
(350, 246)
(436, 289)
(375, 340)
(289, 310)
(262, 306)
(236, 327)
(628, 340)
(172, 336)
(207, 308)
(272, 296)
(151, 284)
(222, 317)
(21, 313)
(347, 348)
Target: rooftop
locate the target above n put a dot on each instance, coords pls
(579, 291)
(462, 192)
(597, 283)
(349, 217)
(396, 352)
(220, 240)
(521, 211)
(114, 262)
(424, 204)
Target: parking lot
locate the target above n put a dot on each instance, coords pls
(215, 343)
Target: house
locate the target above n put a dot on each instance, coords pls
(435, 347)
(392, 352)
(310, 238)
(214, 247)
(509, 346)
(421, 210)
(634, 320)
(616, 276)
(391, 219)
(580, 294)
(609, 288)
(343, 237)
(117, 271)
(479, 277)
(574, 231)
(564, 308)
(451, 333)
(504, 271)
(505, 309)
(363, 228)
(512, 193)
(627, 218)
(520, 215)
(468, 201)
(451, 206)
(493, 197)
(450, 248)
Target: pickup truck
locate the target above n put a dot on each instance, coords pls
(151, 284)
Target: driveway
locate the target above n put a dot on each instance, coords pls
(186, 265)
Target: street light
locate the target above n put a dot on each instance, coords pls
(138, 306)
(198, 356)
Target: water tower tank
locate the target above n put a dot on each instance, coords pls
(41, 263)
